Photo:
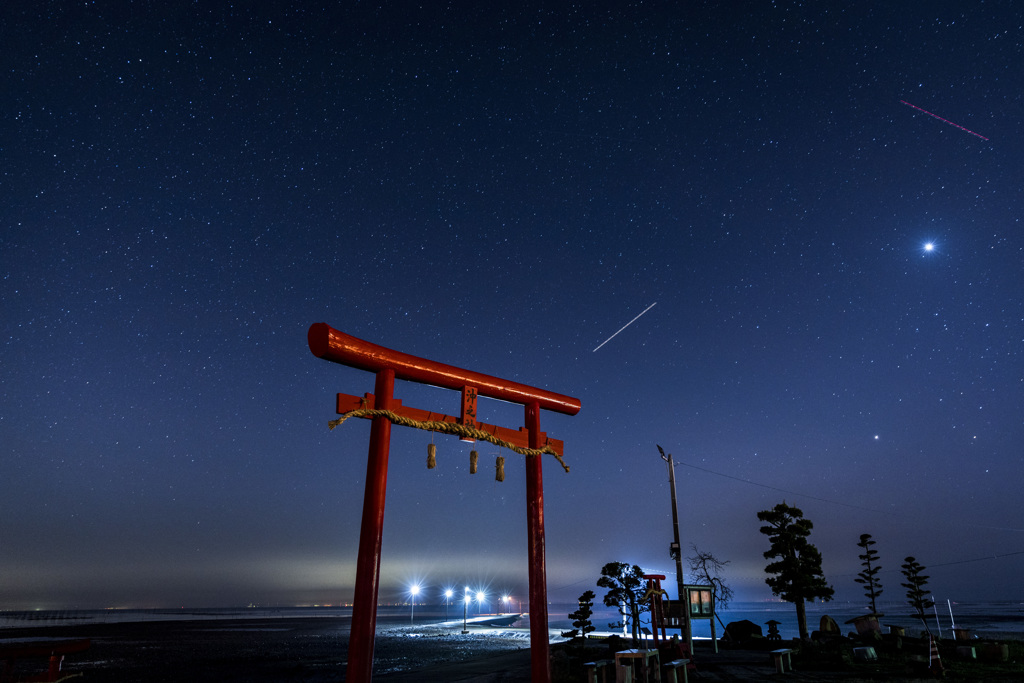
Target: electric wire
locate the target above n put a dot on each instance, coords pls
(857, 507)
(775, 488)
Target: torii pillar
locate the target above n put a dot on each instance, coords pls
(389, 365)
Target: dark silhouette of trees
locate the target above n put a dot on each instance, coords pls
(917, 595)
(796, 572)
(868, 577)
(626, 589)
(581, 617)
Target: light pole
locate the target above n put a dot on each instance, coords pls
(447, 601)
(465, 610)
(414, 590)
(480, 597)
(676, 548)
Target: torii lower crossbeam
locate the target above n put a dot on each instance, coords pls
(389, 365)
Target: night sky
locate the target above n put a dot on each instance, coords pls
(187, 187)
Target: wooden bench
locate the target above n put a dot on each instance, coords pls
(599, 666)
(635, 664)
(783, 658)
(674, 666)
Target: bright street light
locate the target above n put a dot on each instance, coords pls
(414, 590)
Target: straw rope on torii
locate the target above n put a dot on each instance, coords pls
(447, 428)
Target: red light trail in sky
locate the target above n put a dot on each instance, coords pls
(936, 116)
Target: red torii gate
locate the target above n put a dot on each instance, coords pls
(389, 365)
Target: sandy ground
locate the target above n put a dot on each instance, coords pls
(314, 650)
(286, 650)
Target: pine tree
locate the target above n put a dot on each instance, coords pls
(868, 576)
(917, 595)
(581, 617)
(797, 567)
(626, 589)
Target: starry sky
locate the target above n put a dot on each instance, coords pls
(188, 186)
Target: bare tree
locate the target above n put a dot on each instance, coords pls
(707, 569)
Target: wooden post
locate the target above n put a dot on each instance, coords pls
(540, 660)
(371, 533)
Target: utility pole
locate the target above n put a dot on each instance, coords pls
(676, 550)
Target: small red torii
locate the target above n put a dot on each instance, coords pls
(389, 365)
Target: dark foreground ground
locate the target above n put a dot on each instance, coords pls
(313, 650)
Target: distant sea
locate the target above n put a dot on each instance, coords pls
(983, 619)
(993, 620)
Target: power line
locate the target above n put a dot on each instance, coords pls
(945, 564)
(977, 559)
(848, 505)
(857, 507)
(775, 488)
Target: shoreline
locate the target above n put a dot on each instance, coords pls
(279, 649)
(314, 650)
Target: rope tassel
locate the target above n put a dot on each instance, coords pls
(499, 466)
(473, 456)
(431, 456)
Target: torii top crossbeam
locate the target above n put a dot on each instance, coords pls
(330, 344)
(388, 364)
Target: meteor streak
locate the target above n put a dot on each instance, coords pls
(936, 116)
(626, 325)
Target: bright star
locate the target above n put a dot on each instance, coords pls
(929, 246)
